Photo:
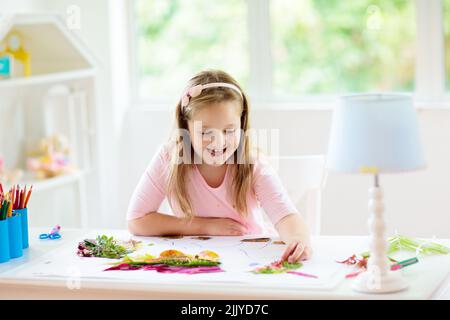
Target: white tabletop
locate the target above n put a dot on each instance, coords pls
(429, 279)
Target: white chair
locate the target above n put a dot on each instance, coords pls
(304, 178)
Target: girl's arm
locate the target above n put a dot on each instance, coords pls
(290, 226)
(294, 231)
(159, 224)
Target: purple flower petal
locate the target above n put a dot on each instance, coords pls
(162, 268)
(303, 274)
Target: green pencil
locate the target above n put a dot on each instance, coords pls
(404, 263)
(2, 210)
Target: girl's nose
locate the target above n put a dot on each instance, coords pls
(219, 140)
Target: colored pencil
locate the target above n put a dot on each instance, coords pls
(16, 203)
(4, 209)
(16, 198)
(13, 194)
(28, 196)
(22, 197)
(404, 263)
(1, 210)
(9, 209)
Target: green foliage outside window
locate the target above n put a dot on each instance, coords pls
(318, 46)
(446, 17)
(178, 38)
(323, 46)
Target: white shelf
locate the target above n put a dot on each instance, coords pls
(50, 183)
(69, 63)
(47, 78)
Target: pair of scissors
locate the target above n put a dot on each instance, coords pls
(53, 235)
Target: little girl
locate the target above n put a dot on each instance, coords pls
(213, 183)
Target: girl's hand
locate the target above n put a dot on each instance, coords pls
(223, 227)
(295, 251)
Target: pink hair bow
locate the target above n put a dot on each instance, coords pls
(193, 92)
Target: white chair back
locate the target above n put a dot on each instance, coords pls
(304, 178)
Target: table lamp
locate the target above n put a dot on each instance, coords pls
(374, 134)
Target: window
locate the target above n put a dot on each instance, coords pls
(322, 46)
(177, 38)
(284, 50)
(446, 18)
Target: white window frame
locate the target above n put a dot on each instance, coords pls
(430, 63)
(430, 87)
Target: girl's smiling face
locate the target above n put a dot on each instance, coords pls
(215, 131)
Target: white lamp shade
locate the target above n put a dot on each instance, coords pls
(375, 133)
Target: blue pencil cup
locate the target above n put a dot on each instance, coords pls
(15, 236)
(24, 222)
(4, 241)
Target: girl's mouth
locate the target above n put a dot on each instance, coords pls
(216, 152)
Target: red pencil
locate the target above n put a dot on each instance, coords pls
(16, 198)
(22, 199)
(1, 188)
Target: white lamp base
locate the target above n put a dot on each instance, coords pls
(371, 282)
(378, 278)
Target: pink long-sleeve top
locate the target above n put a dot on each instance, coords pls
(206, 201)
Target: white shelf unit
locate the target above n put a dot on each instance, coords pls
(58, 98)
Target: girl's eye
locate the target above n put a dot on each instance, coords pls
(230, 131)
(206, 133)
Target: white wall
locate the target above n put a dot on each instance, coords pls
(417, 203)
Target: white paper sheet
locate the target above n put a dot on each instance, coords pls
(238, 259)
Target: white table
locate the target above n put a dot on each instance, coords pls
(422, 278)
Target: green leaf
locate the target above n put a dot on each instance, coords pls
(291, 266)
(106, 247)
(404, 243)
(276, 269)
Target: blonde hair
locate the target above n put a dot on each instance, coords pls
(243, 167)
